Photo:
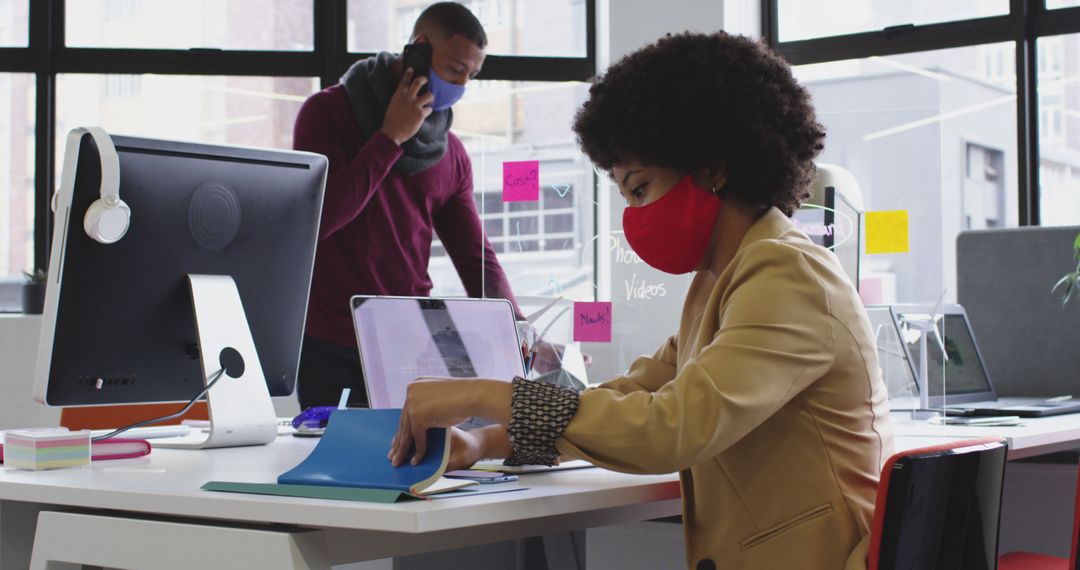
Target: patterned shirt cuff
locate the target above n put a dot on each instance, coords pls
(539, 413)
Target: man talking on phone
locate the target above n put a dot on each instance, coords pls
(397, 177)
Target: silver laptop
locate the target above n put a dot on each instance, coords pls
(405, 338)
(961, 383)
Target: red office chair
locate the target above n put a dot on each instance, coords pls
(1035, 561)
(938, 507)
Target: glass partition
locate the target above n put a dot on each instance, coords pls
(930, 139)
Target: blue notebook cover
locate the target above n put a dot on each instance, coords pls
(352, 453)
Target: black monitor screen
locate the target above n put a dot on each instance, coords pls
(124, 314)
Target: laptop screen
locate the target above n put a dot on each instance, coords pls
(401, 339)
(963, 371)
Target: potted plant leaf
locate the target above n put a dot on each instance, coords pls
(33, 293)
(1069, 280)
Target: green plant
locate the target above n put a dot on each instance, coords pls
(38, 276)
(1069, 280)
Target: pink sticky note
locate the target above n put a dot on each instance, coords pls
(592, 322)
(521, 181)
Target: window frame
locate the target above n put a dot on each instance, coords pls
(1026, 22)
(46, 56)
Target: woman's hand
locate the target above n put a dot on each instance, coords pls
(434, 403)
(466, 448)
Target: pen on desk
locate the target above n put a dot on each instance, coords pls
(1055, 399)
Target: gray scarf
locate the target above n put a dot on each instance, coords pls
(370, 85)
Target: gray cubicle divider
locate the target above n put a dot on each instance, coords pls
(1029, 341)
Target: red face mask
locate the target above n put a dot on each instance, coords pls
(672, 233)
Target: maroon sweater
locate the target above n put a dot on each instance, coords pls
(377, 224)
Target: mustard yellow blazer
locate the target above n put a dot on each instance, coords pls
(768, 402)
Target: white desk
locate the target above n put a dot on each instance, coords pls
(1036, 436)
(165, 487)
(166, 484)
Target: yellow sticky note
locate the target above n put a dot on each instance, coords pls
(887, 231)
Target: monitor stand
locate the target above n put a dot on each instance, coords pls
(241, 411)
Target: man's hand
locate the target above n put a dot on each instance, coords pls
(407, 109)
(548, 357)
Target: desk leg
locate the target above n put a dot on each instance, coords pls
(17, 523)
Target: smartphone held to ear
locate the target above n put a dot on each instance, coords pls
(418, 57)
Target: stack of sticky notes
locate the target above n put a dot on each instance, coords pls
(46, 448)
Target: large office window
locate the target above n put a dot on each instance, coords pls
(248, 111)
(1039, 67)
(926, 132)
(806, 19)
(983, 105)
(236, 72)
(14, 22)
(553, 28)
(183, 24)
(17, 175)
(1059, 129)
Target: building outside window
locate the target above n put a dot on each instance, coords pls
(935, 132)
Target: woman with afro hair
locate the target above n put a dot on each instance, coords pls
(768, 400)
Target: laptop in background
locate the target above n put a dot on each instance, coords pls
(966, 388)
(404, 338)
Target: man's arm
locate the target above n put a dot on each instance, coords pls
(458, 226)
(353, 180)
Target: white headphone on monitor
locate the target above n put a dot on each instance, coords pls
(108, 218)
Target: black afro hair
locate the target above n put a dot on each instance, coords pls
(693, 101)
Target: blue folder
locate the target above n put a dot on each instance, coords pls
(352, 453)
(349, 463)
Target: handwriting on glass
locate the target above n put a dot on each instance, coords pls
(642, 290)
(623, 254)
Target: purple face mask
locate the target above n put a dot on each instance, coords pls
(445, 93)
